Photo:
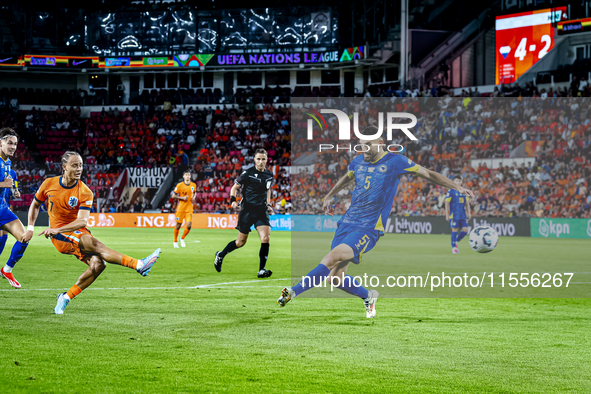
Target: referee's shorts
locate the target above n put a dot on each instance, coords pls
(249, 216)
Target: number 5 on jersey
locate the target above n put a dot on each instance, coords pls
(362, 241)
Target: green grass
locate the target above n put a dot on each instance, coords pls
(127, 333)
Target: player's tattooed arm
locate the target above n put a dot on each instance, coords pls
(438, 179)
(340, 185)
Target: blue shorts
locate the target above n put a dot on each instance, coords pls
(458, 223)
(6, 216)
(361, 241)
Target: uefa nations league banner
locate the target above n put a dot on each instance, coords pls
(561, 228)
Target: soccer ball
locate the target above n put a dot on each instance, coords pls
(483, 239)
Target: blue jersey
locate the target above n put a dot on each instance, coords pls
(457, 204)
(8, 194)
(5, 192)
(377, 184)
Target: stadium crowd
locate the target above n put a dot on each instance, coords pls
(229, 149)
(219, 143)
(451, 133)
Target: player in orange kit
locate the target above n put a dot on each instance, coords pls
(184, 192)
(69, 202)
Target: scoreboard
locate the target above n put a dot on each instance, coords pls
(522, 40)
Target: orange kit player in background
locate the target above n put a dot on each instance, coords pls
(185, 193)
(69, 202)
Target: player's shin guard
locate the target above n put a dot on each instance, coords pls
(231, 246)
(314, 278)
(263, 254)
(454, 242)
(461, 235)
(15, 255)
(351, 286)
(176, 235)
(3, 242)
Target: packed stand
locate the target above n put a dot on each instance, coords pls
(109, 141)
(453, 132)
(229, 149)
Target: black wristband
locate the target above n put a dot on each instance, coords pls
(232, 199)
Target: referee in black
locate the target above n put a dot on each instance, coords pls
(256, 185)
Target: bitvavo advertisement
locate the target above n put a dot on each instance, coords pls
(509, 227)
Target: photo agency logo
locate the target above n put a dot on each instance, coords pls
(388, 122)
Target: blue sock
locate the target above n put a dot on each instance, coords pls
(314, 278)
(352, 286)
(3, 242)
(17, 252)
(454, 241)
(461, 235)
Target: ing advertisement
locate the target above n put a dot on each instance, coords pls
(168, 220)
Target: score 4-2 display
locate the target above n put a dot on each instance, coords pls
(522, 39)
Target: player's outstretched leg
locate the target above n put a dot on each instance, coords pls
(318, 275)
(230, 247)
(17, 229)
(92, 246)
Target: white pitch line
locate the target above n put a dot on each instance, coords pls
(222, 284)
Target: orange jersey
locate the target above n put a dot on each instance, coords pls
(63, 202)
(183, 190)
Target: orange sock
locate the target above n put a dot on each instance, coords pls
(74, 291)
(127, 261)
(176, 235)
(185, 232)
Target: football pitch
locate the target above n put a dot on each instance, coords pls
(186, 328)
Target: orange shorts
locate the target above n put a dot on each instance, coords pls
(187, 216)
(69, 243)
